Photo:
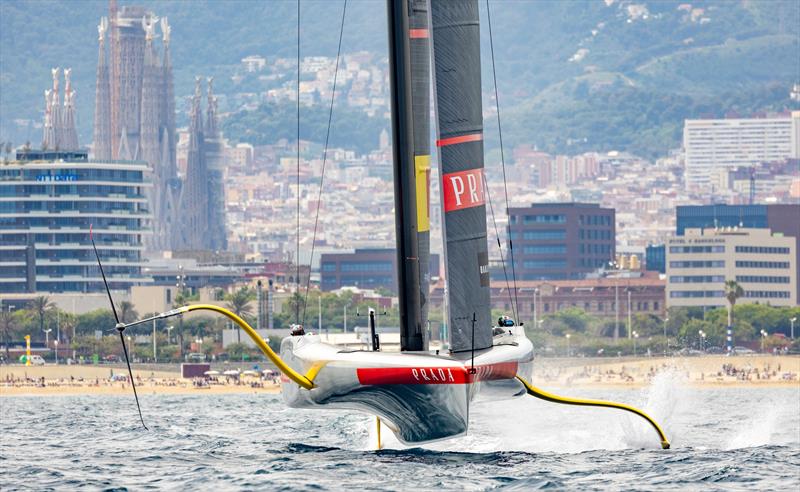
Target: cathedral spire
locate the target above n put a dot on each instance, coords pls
(194, 200)
(168, 106)
(55, 112)
(49, 135)
(102, 98)
(211, 110)
(70, 134)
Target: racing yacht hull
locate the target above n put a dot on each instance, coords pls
(420, 396)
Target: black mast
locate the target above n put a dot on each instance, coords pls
(412, 333)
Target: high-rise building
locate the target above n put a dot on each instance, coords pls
(779, 218)
(49, 200)
(702, 260)
(711, 145)
(135, 108)
(554, 241)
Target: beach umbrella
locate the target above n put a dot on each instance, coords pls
(211, 373)
(231, 372)
(250, 373)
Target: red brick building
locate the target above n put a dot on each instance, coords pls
(596, 296)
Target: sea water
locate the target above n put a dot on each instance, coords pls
(740, 438)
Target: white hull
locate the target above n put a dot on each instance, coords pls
(421, 396)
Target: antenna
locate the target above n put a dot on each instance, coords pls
(120, 326)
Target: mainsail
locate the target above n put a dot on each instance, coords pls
(406, 205)
(456, 60)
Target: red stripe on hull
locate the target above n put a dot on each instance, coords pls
(436, 375)
(417, 33)
(474, 137)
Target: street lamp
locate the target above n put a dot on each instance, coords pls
(47, 337)
(568, 337)
(702, 340)
(129, 346)
(55, 342)
(764, 335)
(635, 337)
(666, 340)
(169, 330)
(792, 322)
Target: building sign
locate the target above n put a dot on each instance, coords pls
(56, 177)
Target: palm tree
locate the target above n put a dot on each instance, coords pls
(41, 306)
(733, 291)
(127, 312)
(239, 302)
(7, 325)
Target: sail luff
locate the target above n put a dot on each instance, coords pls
(412, 334)
(456, 60)
(419, 37)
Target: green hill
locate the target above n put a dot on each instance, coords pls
(573, 75)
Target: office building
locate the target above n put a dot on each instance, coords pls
(655, 258)
(558, 241)
(48, 202)
(779, 218)
(365, 269)
(711, 145)
(702, 260)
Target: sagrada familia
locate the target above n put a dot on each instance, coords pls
(59, 123)
(134, 119)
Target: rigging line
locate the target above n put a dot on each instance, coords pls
(499, 247)
(324, 159)
(502, 154)
(297, 250)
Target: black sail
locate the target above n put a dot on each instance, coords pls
(457, 72)
(421, 114)
(412, 329)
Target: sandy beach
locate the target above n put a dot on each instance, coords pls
(708, 371)
(705, 371)
(19, 380)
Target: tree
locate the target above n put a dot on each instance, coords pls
(239, 302)
(127, 313)
(7, 325)
(41, 306)
(733, 291)
(98, 320)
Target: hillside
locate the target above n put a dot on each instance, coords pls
(573, 76)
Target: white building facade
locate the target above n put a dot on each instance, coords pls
(711, 145)
(700, 262)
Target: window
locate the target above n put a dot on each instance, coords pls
(762, 264)
(762, 279)
(762, 250)
(699, 264)
(541, 249)
(696, 279)
(696, 293)
(766, 294)
(545, 219)
(545, 234)
(531, 264)
(697, 249)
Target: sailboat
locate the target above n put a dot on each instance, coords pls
(419, 394)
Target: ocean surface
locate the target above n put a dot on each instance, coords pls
(722, 439)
